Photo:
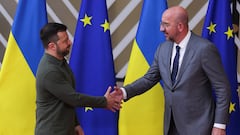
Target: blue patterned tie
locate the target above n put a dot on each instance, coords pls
(175, 65)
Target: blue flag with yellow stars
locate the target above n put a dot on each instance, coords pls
(92, 64)
(218, 29)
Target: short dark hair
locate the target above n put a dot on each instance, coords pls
(49, 33)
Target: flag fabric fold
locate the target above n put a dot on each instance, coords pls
(144, 114)
(92, 64)
(17, 75)
(218, 29)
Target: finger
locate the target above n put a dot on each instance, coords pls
(117, 106)
(116, 88)
(118, 100)
(108, 90)
(112, 109)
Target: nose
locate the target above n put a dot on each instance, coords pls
(70, 42)
(162, 28)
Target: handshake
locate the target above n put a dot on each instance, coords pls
(114, 98)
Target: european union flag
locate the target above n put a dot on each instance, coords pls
(218, 29)
(92, 64)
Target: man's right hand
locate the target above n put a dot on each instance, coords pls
(114, 99)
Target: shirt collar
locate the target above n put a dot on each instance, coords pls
(54, 59)
(184, 42)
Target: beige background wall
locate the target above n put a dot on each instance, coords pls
(123, 17)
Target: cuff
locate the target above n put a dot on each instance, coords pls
(124, 93)
(218, 125)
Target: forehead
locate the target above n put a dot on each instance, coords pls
(168, 16)
(62, 35)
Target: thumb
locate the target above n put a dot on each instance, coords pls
(108, 91)
(116, 88)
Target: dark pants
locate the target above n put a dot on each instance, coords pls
(172, 129)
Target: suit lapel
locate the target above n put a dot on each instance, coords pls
(168, 63)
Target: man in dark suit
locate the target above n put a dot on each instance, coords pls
(190, 67)
(56, 95)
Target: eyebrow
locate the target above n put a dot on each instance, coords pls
(164, 23)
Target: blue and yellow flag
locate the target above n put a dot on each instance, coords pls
(143, 115)
(92, 64)
(218, 29)
(17, 76)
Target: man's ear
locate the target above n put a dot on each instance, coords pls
(51, 45)
(180, 27)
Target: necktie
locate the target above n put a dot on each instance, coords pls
(175, 65)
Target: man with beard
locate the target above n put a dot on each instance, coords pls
(56, 95)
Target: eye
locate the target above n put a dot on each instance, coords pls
(164, 24)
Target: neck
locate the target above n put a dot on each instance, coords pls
(181, 36)
(54, 54)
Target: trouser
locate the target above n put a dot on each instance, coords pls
(172, 130)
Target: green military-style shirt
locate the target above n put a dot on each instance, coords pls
(57, 98)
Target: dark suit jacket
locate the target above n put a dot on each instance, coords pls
(57, 98)
(190, 99)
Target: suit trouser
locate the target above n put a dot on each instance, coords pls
(172, 130)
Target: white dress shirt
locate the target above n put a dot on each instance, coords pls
(183, 46)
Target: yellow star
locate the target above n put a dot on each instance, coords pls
(232, 107)
(88, 109)
(211, 28)
(229, 33)
(86, 20)
(105, 25)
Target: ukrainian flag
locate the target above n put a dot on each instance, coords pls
(143, 115)
(17, 76)
(218, 29)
